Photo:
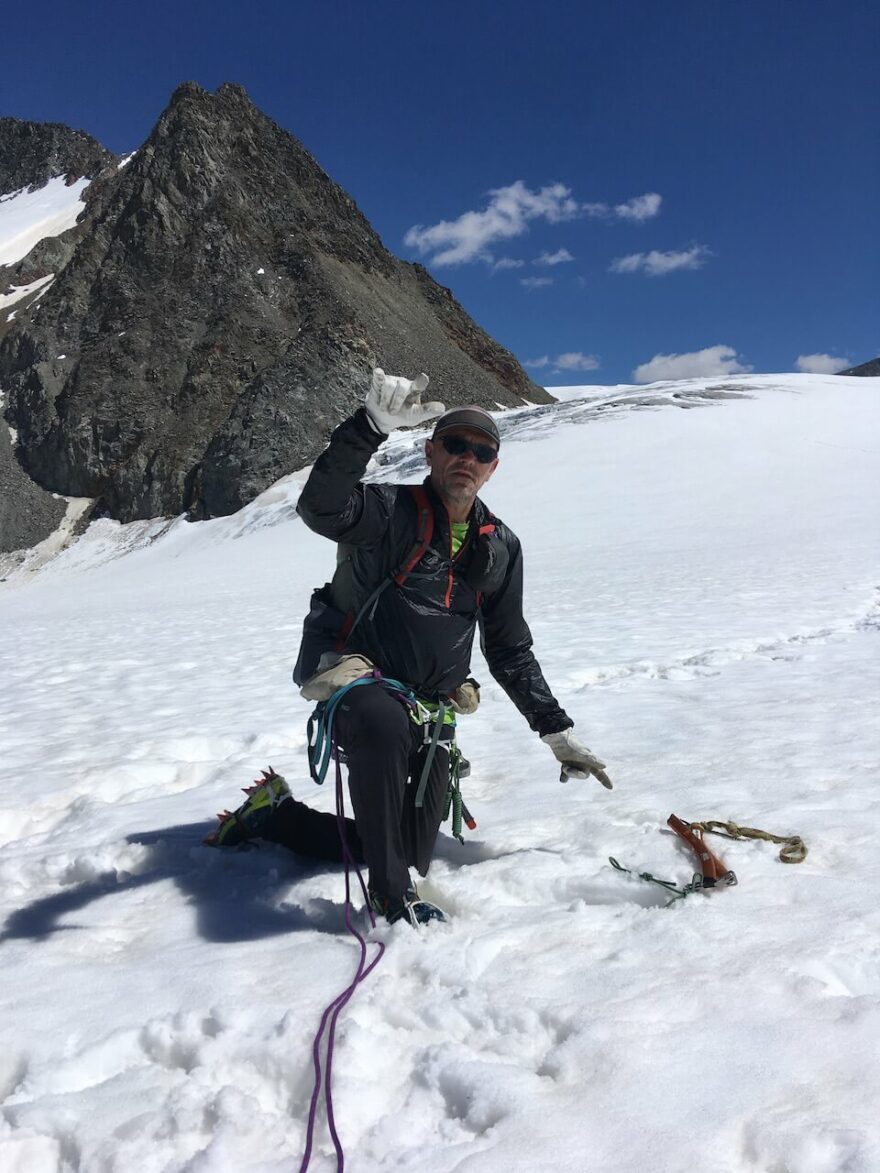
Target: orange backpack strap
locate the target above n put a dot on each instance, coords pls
(486, 531)
(490, 527)
(424, 533)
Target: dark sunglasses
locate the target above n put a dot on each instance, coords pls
(457, 446)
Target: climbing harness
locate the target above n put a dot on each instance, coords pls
(319, 730)
(321, 741)
(432, 750)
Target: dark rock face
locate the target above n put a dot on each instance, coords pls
(869, 369)
(32, 153)
(27, 513)
(48, 255)
(219, 314)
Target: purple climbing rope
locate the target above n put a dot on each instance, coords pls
(330, 1017)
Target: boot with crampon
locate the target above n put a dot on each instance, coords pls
(250, 820)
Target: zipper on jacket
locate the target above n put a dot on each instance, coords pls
(453, 558)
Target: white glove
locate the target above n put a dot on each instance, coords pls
(577, 761)
(393, 402)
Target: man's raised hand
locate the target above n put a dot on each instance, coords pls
(394, 402)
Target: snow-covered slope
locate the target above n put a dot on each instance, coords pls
(27, 216)
(703, 585)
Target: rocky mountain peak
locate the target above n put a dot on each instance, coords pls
(221, 308)
(32, 153)
(870, 369)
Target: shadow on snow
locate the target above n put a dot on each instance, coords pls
(238, 894)
(241, 894)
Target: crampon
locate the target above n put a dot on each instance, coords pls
(248, 821)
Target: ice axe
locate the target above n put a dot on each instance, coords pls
(712, 869)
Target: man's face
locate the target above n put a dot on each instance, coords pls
(459, 477)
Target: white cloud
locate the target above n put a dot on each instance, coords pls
(628, 264)
(636, 210)
(507, 263)
(454, 242)
(657, 264)
(643, 207)
(575, 360)
(572, 360)
(535, 282)
(821, 364)
(558, 258)
(507, 215)
(708, 363)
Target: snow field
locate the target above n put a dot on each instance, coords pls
(704, 591)
(27, 216)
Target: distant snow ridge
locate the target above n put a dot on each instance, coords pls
(20, 292)
(26, 217)
(401, 458)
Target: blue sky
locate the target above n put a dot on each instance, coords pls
(710, 168)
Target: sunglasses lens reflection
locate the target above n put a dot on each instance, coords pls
(457, 446)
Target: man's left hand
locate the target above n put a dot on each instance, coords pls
(577, 761)
(394, 402)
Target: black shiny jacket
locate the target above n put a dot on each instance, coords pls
(422, 632)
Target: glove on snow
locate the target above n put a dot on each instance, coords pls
(393, 402)
(577, 761)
